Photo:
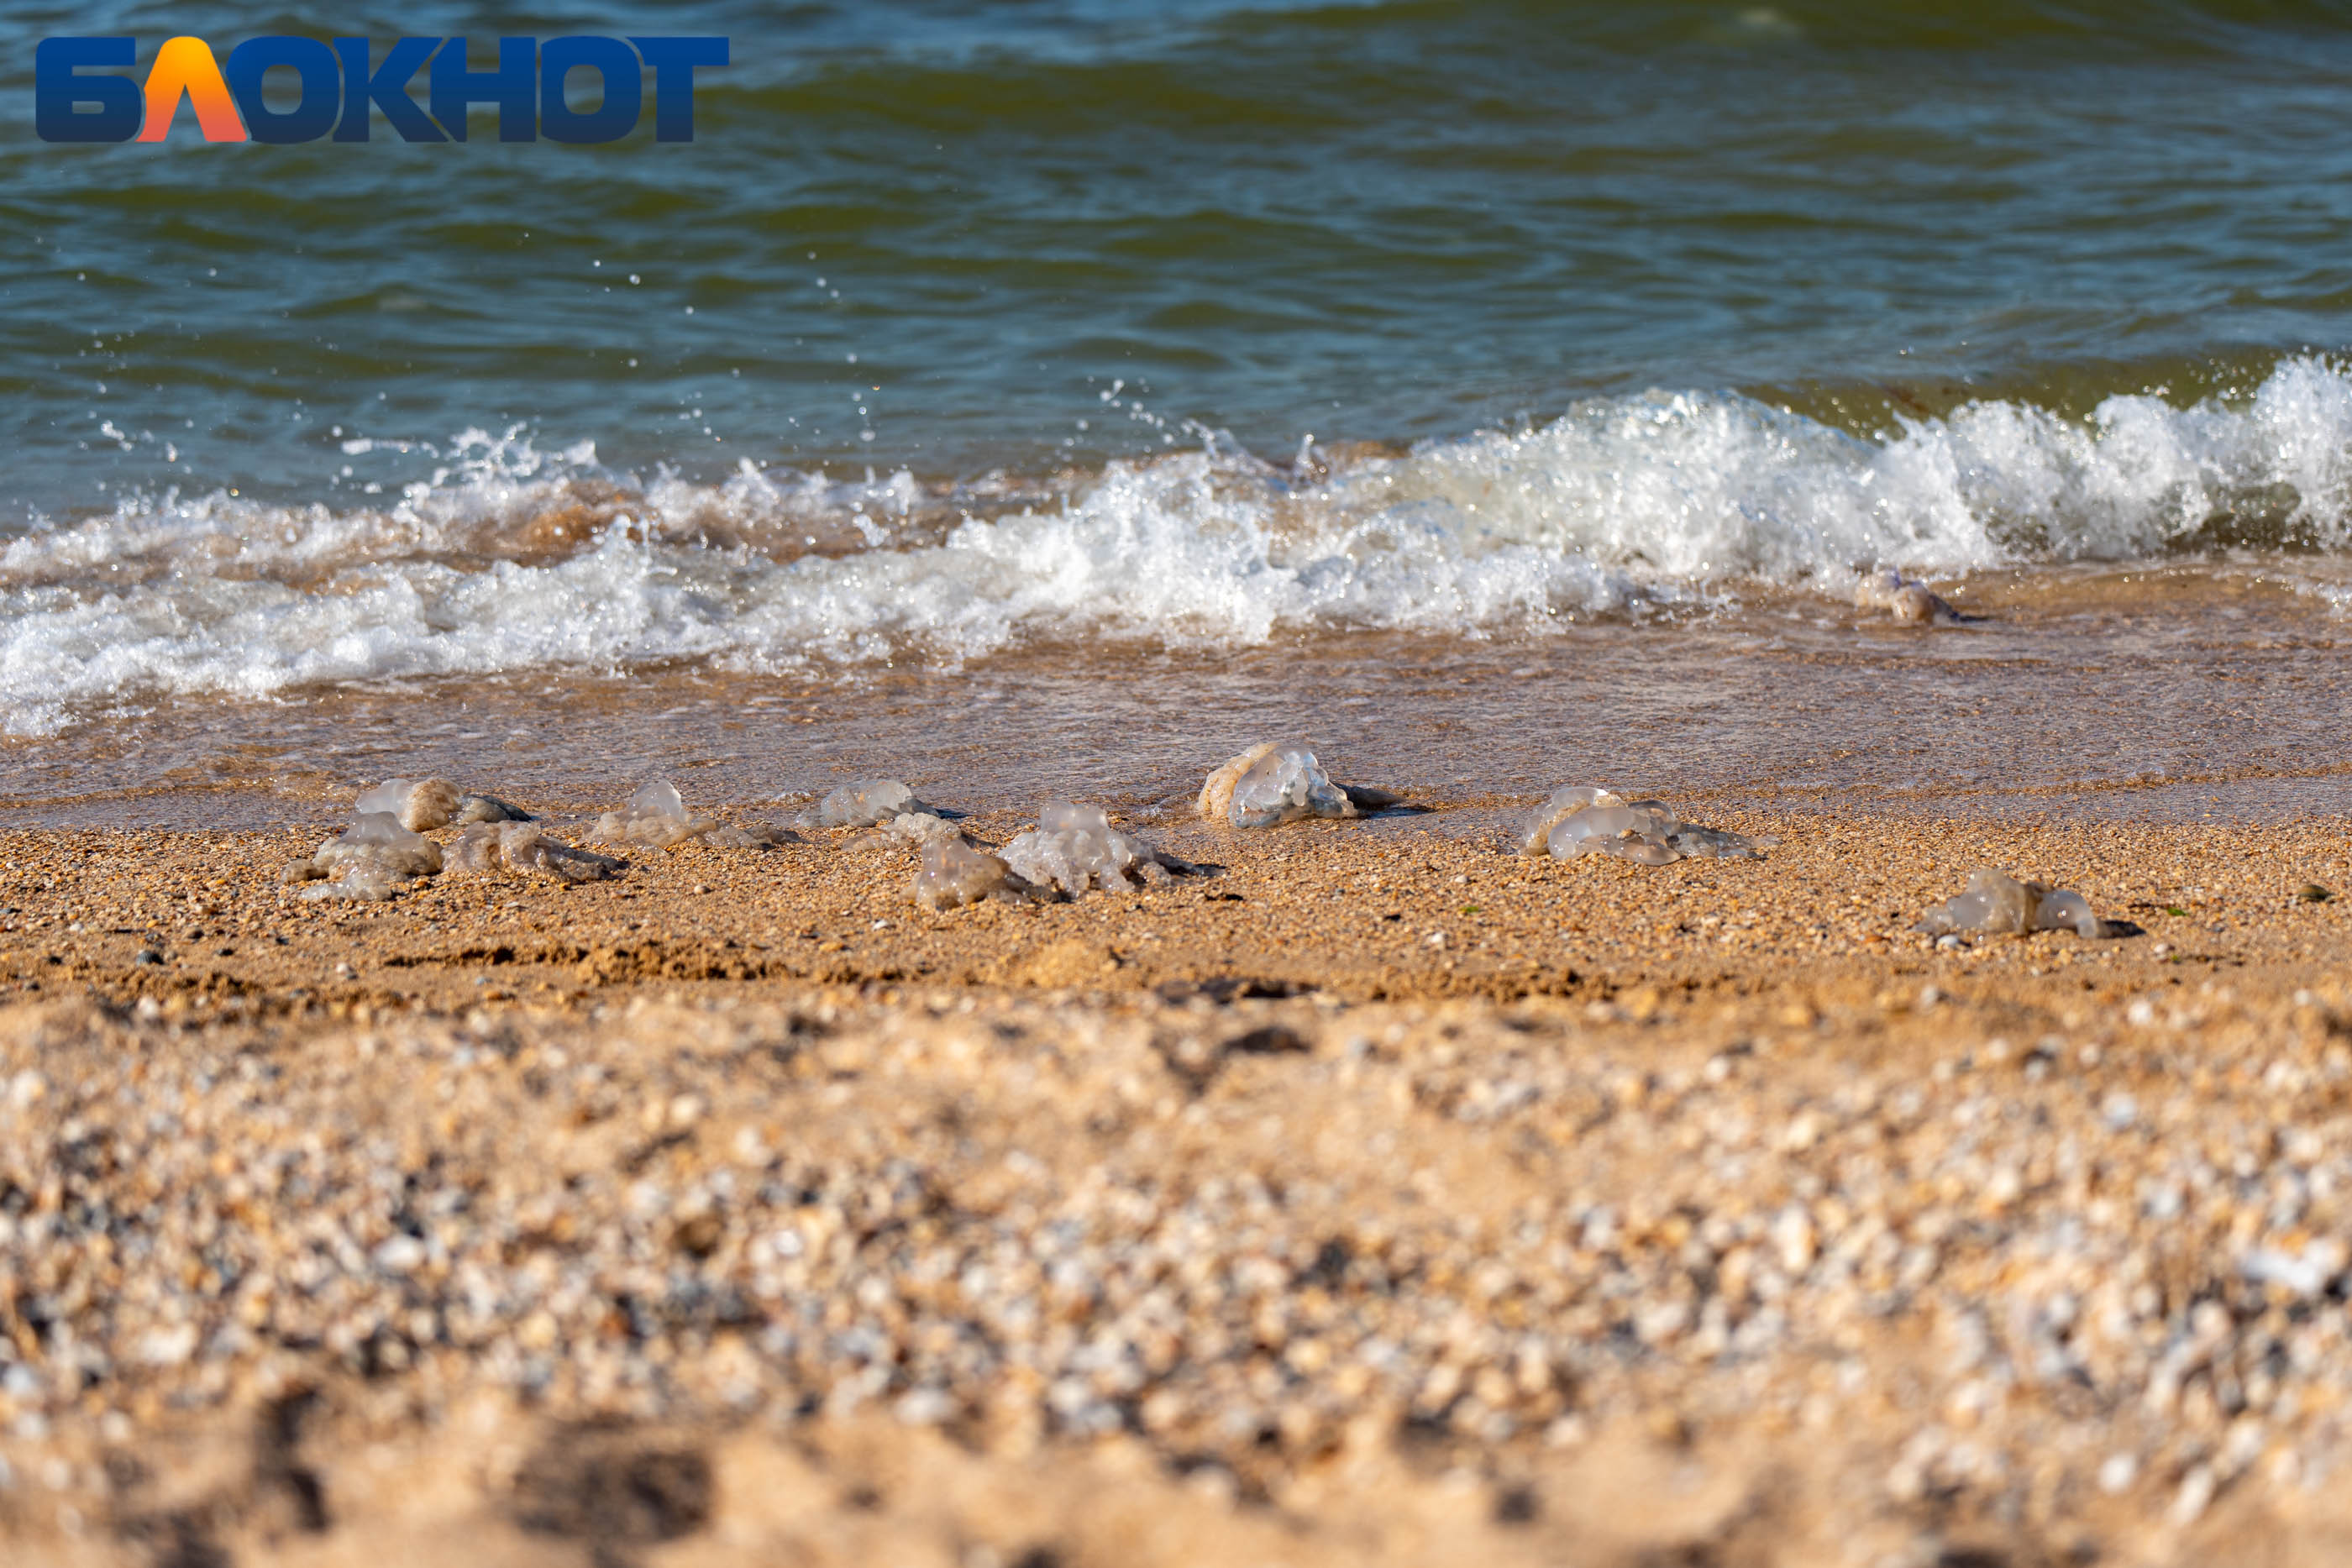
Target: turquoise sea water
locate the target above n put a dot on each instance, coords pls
(1358, 221)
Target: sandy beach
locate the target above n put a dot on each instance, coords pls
(1916, 441)
(1374, 1196)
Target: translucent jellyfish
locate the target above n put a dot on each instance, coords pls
(1270, 784)
(1638, 833)
(955, 874)
(522, 847)
(1589, 819)
(655, 817)
(370, 860)
(2061, 909)
(1997, 902)
(1910, 602)
(1994, 901)
(758, 836)
(865, 805)
(376, 841)
(1715, 843)
(487, 808)
(480, 848)
(359, 885)
(916, 827)
(1285, 786)
(421, 805)
(1073, 848)
(1566, 802)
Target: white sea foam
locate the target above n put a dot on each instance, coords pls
(505, 557)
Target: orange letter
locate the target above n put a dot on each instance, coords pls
(185, 65)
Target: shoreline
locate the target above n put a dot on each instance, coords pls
(1346, 909)
(2183, 693)
(697, 1214)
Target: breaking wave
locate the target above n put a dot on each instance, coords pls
(509, 558)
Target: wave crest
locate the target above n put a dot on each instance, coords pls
(509, 558)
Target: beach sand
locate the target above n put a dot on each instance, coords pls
(1376, 1196)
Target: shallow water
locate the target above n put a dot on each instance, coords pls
(2176, 694)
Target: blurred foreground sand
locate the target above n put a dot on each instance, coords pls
(1376, 1198)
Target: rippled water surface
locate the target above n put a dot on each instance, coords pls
(1364, 221)
(2185, 694)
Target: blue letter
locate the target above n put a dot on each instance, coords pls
(674, 61)
(623, 94)
(56, 91)
(308, 121)
(387, 89)
(513, 86)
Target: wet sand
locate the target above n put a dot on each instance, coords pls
(2183, 693)
(1375, 1197)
